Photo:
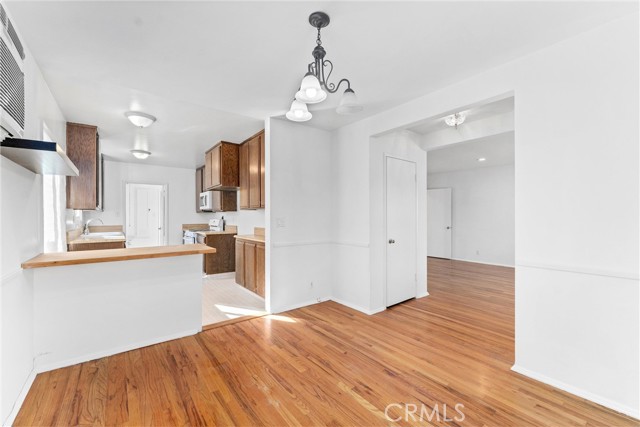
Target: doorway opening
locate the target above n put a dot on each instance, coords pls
(146, 215)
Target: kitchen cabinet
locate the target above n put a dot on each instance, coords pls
(250, 262)
(224, 260)
(221, 169)
(252, 176)
(199, 186)
(240, 262)
(84, 192)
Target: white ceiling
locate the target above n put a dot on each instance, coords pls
(496, 149)
(214, 70)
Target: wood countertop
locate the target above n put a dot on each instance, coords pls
(251, 238)
(110, 255)
(90, 240)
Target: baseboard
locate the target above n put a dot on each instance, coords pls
(229, 275)
(357, 307)
(299, 305)
(422, 295)
(97, 355)
(635, 413)
(483, 262)
(20, 400)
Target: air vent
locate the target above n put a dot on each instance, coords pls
(3, 16)
(11, 85)
(15, 40)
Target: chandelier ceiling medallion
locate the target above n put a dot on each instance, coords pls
(315, 84)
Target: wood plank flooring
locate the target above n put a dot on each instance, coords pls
(328, 365)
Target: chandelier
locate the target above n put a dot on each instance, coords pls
(315, 84)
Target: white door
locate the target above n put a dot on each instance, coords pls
(439, 223)
(145, 215)
(401, 220)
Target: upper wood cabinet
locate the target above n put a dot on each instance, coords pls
(252, 192)
(84, 192)
(221, 169)
(199, 186)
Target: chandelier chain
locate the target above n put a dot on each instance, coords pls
(318, 41)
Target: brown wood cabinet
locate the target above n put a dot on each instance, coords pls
(250, 265)
(83, 148)
(221, 169)
(240, 262)
(252, 176)
(199, 186)
(95, 246)
(224, 260)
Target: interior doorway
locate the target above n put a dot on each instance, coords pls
(439, 223)
(146, 206)
(401, 225)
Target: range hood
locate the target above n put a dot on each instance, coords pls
(45, 158)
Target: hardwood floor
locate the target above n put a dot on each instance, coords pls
(328, 365)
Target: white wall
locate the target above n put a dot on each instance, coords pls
(576, 181)
(482, 213)
(21, 234)
(181, 198)
(299, 205)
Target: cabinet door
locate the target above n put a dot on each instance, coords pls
(239, 262)
(198, 187)
(250, 266)
(215, 167)
(244, 176)
(262, 154)
(82, 149)
(206, 179)
(260, 270)
(254, 173)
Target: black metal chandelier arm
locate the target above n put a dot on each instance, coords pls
(333, 88)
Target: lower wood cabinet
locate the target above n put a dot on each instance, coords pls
(250, 264)
(74, 247)
(224, 260)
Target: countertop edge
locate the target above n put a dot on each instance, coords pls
(251, 238)
(113, 255)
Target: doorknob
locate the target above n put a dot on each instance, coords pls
(448, 228)
(391, 241)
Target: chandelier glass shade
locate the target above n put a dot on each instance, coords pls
(455, 119)
(315, 85)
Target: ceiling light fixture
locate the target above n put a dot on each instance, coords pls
(455, 119)
(139, 119)
(315, 84)
(482, 159)
(140, 154)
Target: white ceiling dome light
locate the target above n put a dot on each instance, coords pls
(140, 154)
(298, 112)
(140, 119)
(455, 119)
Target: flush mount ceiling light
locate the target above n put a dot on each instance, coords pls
(315, 84)
(140, 154)
(139, 119)
(482, 159)
(455, 119)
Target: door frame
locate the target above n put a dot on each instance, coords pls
(384, 221)
(165, 207)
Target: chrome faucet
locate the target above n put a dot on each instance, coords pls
(86, 226)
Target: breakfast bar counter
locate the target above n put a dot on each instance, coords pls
(97, 303)
(110, 255)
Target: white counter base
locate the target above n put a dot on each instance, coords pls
(84, 312)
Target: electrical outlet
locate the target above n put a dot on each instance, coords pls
(477, 252)
(280, 223)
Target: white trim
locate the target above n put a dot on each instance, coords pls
(20, 400)
(299, 305)
(357, 307)
(302, 243)
(635, 413)
(481, 262)
(422, 295)
(110, 352)
(579, 269)
(229, 275)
